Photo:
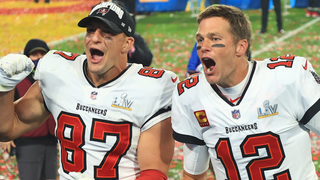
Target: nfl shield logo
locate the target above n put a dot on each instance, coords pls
(236, 114)
(94, 95)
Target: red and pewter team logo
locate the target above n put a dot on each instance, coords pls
(103, 11)
(202, 118)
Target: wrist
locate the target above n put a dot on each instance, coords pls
(5, 85)
(151, 174)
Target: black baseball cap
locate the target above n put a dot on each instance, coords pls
(35, 44)
(113, 15)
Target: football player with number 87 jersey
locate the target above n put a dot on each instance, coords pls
(252, 119)
(112, 118)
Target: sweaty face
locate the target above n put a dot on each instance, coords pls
(103, 48)
(216, 51)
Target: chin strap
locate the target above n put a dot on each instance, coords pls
(152, 174)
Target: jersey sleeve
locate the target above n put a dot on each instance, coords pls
(302, 86)
(195, 159)
(163, 104)
(42, 60)
(186, 128)
(309, 95)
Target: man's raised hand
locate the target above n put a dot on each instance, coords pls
(13, 69)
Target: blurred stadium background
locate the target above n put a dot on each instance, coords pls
(168, 27)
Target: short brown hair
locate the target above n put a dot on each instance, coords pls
(240, 25)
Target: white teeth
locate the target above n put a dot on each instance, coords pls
(209, 69)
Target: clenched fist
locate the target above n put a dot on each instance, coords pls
(13, 69)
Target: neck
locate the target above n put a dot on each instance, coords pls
(99, 79)
(238, 75)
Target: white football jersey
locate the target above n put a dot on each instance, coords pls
(265, 135)
(99, 127)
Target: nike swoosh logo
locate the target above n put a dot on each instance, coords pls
(305, 66)
(233, 101)
(174, 80)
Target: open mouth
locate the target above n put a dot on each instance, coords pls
(96, 54)
(209, 64)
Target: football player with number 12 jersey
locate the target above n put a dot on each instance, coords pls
(256, 128)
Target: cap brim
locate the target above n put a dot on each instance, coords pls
(84, 22)
(38, 48)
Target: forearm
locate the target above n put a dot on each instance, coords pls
(13, 69)
(7, 114)
(156, 147)
(23, 115)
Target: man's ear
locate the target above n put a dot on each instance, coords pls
(242, 47)
(127, 45)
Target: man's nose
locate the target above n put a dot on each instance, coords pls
(205, 45)
(97, 36)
